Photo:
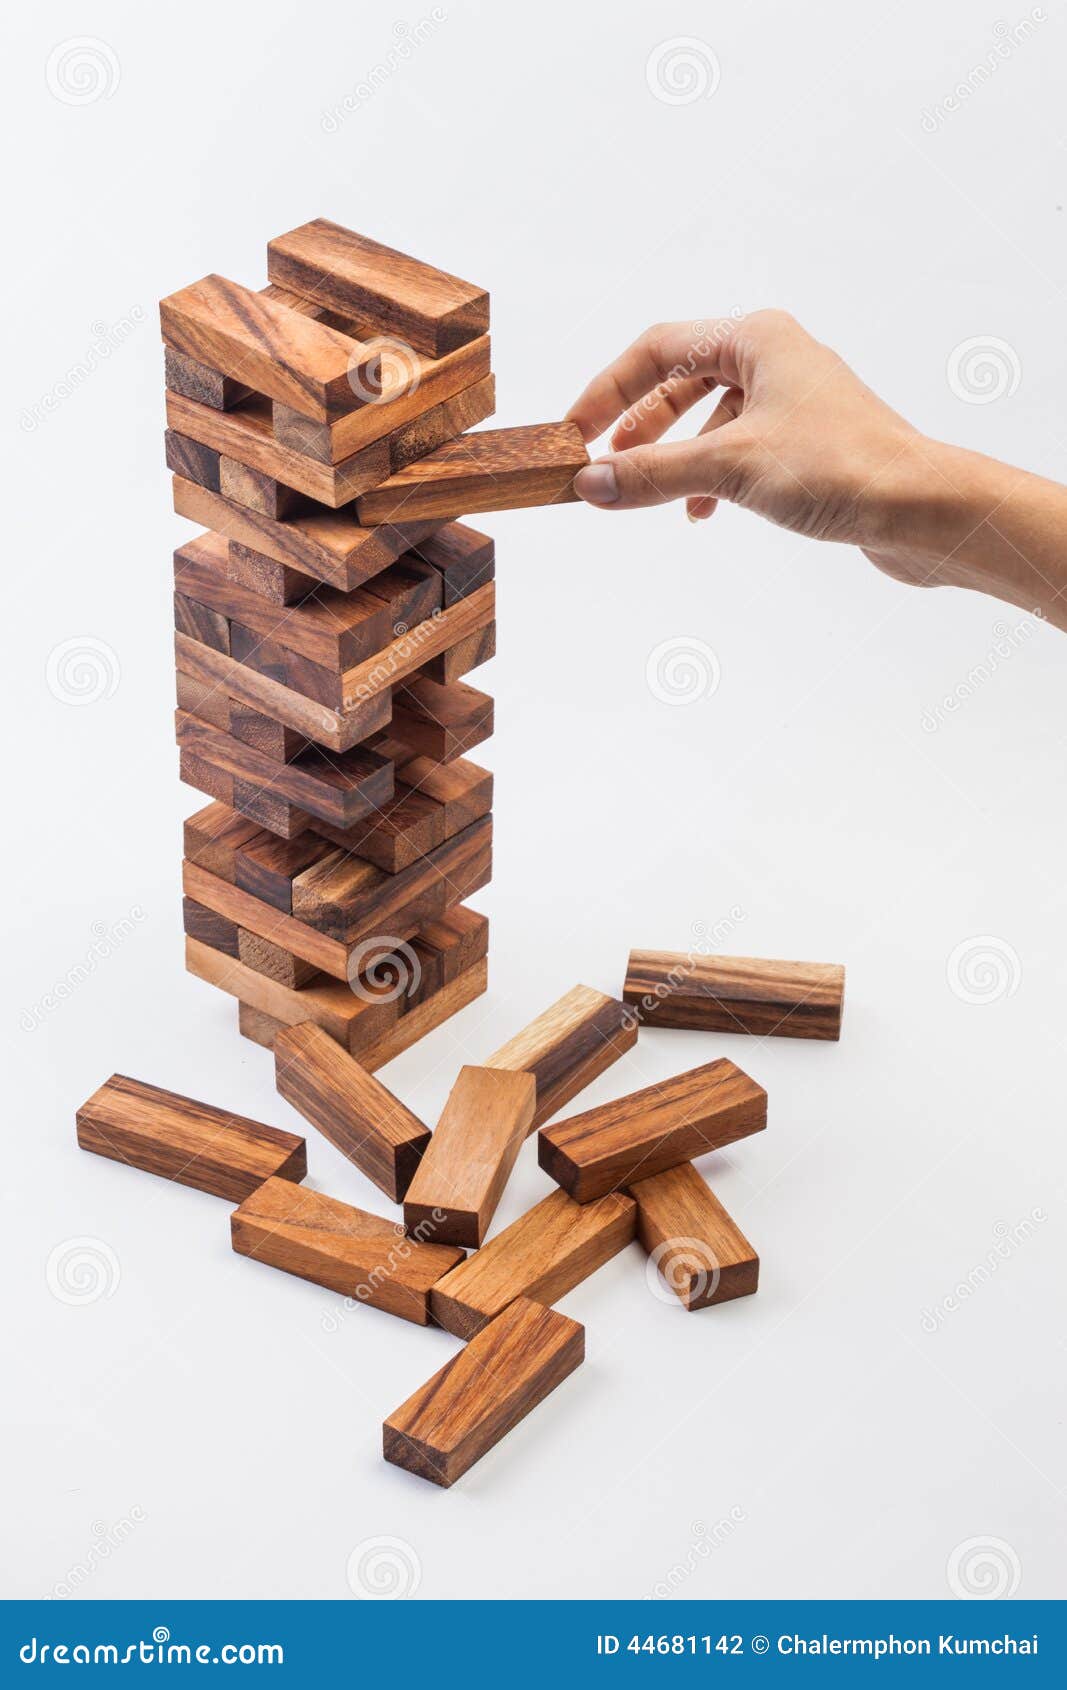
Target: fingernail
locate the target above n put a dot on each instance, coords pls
(692, 515)
(596, 484)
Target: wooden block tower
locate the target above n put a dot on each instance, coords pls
(326, 622)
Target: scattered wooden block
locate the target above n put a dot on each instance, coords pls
(568, 1045)
(440, 722)
(543, 1255)
(260, 341)
(246, 436)
(350, 1107)
(484, 1391)
(640, 1135)
(463, 1171)
(700, 1251)
(356, 1023)
(390, 291)
(720, 994)
(179, 1139)
(364, 1257)
(495, 470)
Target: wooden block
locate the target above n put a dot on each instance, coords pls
(251, 487)
(410, 651)
(483, 1392)
(722, 994)
(463, 789)
(461, 658)
(568, 1045)
(266, 577)
(400, 833)
(393, 293)
(411, 386)
(194, 380)
(210, 928)
(449, 946)
(259, 341)
(269, 809)
(271, 960)
(465, 559)
(638, 1136)
(212, 837)
(426, 1016)
(358, 1115)
(349, 898)
(365, 1257)
(440, 722)
(267, 867)
(197, 622)
(357, 1023)
(180, 1139)
(263, 733)
(204, 699)
(328, 544)
(228, 900)
(442, 422)
(246, 436)
(700, 1251)
(192, 460)
(214, 783)
(543, 1255)
(465, 1168)
(494, 470)
(253, 1024)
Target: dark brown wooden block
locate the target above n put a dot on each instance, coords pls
(270, 809)
(640, 1135)
(210, 928)
(192, 460)
(267, 867)
(180, 1139)
(355, 1022)
(246, 436)
(492, 470)
(483, 1392)
(364, 1257)
(568, 1045)
(461, 658)
(464, 558)
(393, 293)
(271, 960)
(350, 1107)
(266, 577)
(442, 422)
(263, 733)
(722, 994)
(194, 380)
(198, 622)
(700, 1251)
(459, 1181)
(543, 1255)
(440, 722)
(349, 898)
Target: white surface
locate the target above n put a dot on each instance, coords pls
(202, 1401)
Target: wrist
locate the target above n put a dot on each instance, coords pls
(931, 507)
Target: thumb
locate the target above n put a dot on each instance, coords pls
(653, 475)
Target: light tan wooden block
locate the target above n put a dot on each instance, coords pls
(568, 1045)
(463, 1171)
(700, 1251)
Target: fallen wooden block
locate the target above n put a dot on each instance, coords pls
(388, 290)
(721, 994)
(193, 1143)
(363, 1256)
(567, 1046)
(484, 1391)
(640, 1135)
(350, 1107)
(465, 1167)
(701, 1253)
(543, 1255)
(494, 470)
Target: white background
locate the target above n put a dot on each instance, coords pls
(191, 1429)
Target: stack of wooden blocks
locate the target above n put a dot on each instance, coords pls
(326, 621)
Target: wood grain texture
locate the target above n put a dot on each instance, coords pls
(212, 837)
(568, 1045)
(355, 1023)
(189, 458)
(464, 558)
(194, 380)
(255, 1025)
(349, 898)
(543, 1255)
(257, 340)
(483, 1392)
(410, 651)
(461, 658)
(722, 994)
(338, 788)
(331, 545)
(211, 929)
(442, 422)
(363, 1256)
(271, 960)
(412, 385)
(426, 1016)
(464, 1169)
(493, 470)
(390, 291)
(266, 577)
(700, 1251)
(262, 733)
(249, 912)
(203, 698)
(358, 1115)
(246, 436)
(267, 867)
(180, 1139)
(440, 722)
(656, 1128)
(253, 487)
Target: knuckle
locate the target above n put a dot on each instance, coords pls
(772, 320)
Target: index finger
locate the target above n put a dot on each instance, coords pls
(667, 352)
